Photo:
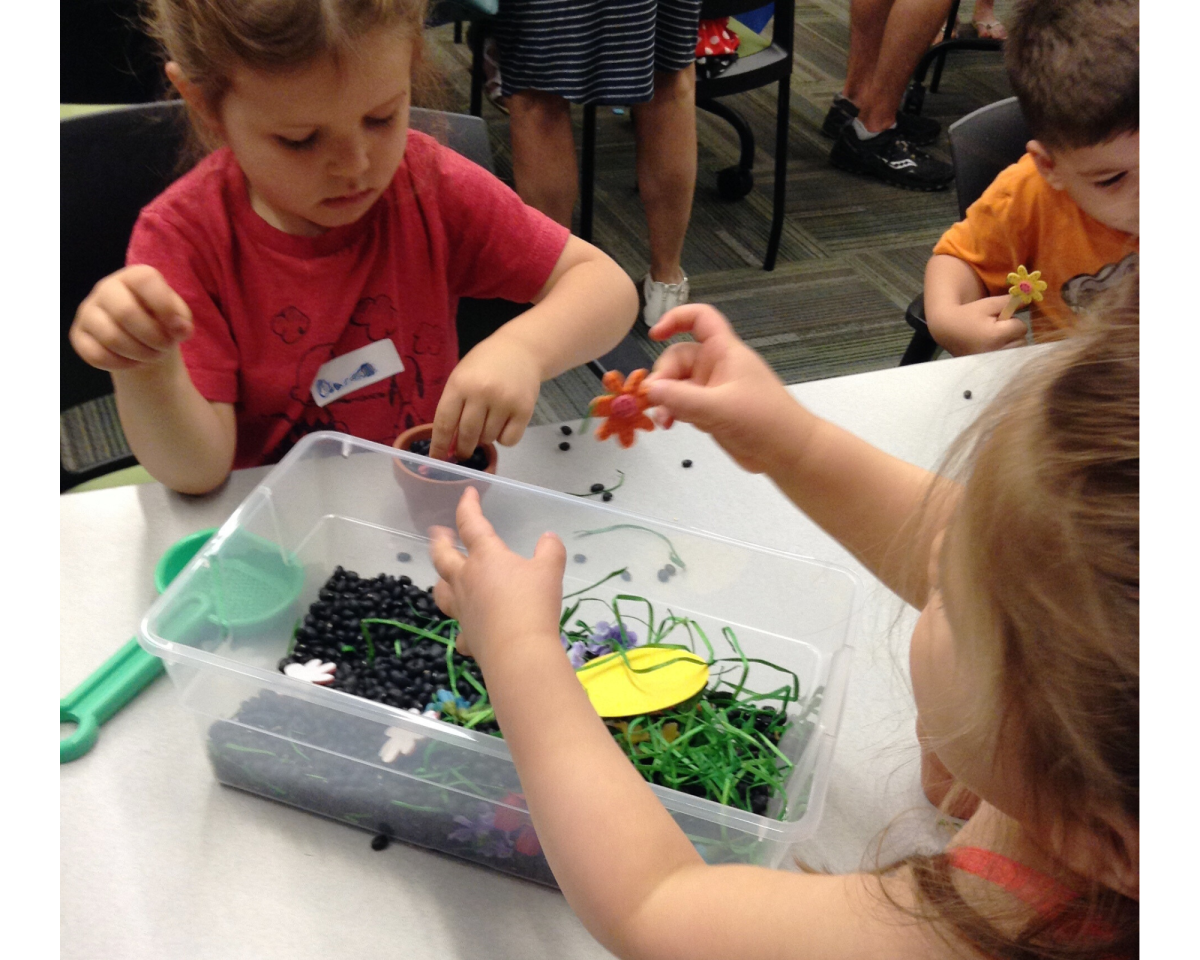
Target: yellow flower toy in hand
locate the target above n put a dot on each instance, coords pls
(1026, 287)
(622, 407)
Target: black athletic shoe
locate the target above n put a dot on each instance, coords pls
(917, 130)
(887, 156)
(841, 112)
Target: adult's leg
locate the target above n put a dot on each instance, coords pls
(665, 130)
(867, 21)
(910, 28)
(543, 148)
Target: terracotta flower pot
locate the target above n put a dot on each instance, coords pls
(432, 499)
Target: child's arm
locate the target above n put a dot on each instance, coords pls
(584, 309)
(960, 314)
(131, 325)
(622, 862)
(858, 494)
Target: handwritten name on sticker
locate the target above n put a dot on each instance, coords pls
(355, 370)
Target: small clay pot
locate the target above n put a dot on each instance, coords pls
(433, 501)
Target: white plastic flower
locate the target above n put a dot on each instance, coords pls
(312, 672)
(399, 741)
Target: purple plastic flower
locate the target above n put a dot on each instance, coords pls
(481, 833)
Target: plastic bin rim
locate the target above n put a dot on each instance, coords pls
(311, 439)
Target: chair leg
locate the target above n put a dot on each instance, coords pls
(739, 124)
(587, 172)
(781, 153)
(921, 348)
(476, 36)
(458, 31)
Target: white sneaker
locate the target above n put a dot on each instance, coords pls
(661, 297)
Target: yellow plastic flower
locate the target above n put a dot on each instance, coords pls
(1027, 286)
(622, 407)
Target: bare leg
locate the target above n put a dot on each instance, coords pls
(543, 147)
(666, 167)
(867, 21)
(910, 29)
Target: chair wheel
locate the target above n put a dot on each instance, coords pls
(733, 183)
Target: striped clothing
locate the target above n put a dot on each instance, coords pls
(594, 51)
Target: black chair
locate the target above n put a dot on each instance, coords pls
(112, 164)
(104, 57)
(773, 64)
(981, 145)
(914, 96)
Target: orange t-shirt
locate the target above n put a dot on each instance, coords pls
(1022, 220)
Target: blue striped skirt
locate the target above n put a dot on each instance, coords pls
(594, 51)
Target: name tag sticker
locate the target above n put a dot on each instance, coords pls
(355, 370)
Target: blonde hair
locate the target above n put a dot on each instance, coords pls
(209, 39)
(1045, 544)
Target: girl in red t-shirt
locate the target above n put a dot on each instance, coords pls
(305, 275)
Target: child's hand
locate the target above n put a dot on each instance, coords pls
(130, 319)
(719, 385)
(496, 596)
(976, 327)
(489, 398)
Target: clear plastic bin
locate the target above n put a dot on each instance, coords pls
(226, 621)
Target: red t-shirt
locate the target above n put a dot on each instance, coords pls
(270, 308)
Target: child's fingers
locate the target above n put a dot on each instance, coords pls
(493, 425)
(445, 420)
(513, 431)
(675, 363)
(447, 560)
(473, 527)
(682, 399)
(95, 354)
(1010, 333)
(470, 426)
(703, 321)
(160, 301)
(552, 551)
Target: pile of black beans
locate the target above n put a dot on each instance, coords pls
(398, 668)
(476, 461)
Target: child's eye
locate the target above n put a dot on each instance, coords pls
(297, 144)
(380, 121)
(1112, 181)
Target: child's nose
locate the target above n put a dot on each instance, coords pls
(351, 158)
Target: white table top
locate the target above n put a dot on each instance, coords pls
(159, 860)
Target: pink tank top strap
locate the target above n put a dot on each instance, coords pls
(1044, 894)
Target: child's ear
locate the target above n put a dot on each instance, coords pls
(194, 97)
(1044, 161)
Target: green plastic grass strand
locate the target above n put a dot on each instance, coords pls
(673, 555)
(600, 493)
(568, 596)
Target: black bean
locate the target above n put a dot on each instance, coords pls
(687, 463)
(663, 576)
(580, 558)
(670, 570)
(566, 430)
(966, 394)
(606, 496)
(380, 842)
(404, 557)
(564, 446)
(626, 576)
(597, 487)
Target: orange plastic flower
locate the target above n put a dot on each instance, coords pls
(622, 407)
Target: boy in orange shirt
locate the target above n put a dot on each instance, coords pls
(1069, 207)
